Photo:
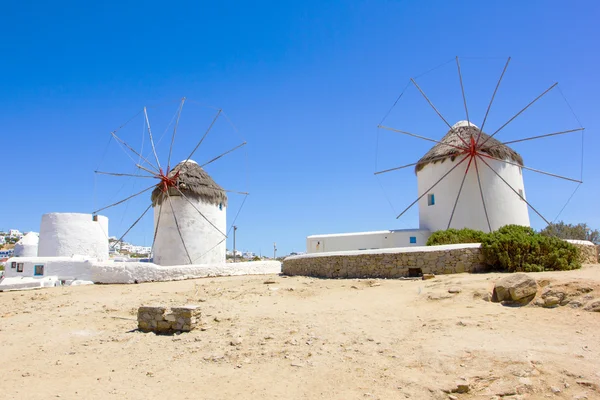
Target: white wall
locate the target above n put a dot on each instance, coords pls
(131, 272)
(365, 240)
(68, 234)
(62, 267)
(503, 205)
(204, 243)
(81, 270)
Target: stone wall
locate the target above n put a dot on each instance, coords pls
(588, 251)
(155, 319)
(387, 263)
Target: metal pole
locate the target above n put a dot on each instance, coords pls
(274, 250)
(234, 229)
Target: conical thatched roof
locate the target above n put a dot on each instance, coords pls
(195, 183)
(465, 130)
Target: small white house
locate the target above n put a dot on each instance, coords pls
(366, 240)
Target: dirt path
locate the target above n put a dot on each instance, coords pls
(300, 338)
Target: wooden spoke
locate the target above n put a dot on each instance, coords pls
(204, 137)
(125, 199)
(174, 132)
(134, 224)
(513, 189)
(519, 113)
(227, 152)
(492, 100)
(459, 190)
(487, 218)
(177, 226)
(528, 168)
(421, 137)
(151, 138)
(434, 185)
(199, 212)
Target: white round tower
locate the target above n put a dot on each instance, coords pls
(191, 220)
(69, 234)
(28, 245)
(504, 205)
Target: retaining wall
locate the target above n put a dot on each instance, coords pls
(387, 263)
(588, 251)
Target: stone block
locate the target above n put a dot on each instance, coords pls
(179, 319)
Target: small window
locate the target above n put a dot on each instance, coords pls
(95, 218)
(431, 199)
(38, 270)
(220, 206)
(413, 240)
(19, 267)
(13, 265)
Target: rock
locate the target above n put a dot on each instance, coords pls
(575, 304)
(236, 342)
(594, 306)
(452, 397)
(454, 290)
(555, 390)
(590, 384)
(461, 387)
(428, 276)
(551, 302)
(269, 282)
(518, 288)
(540, 302)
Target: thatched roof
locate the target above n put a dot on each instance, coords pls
(195, 183)
(464, 130)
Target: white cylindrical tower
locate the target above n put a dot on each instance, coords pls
(28, 245)
(502, 204)
(69, 234)
(193, 223)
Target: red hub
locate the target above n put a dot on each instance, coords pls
(167, 182)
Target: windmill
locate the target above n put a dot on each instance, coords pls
(189, 224)
(469, 178)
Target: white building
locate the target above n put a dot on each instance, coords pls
(192, 225)
(69, 234)
(366, 240)
(7, 253)
(15, 233)
(27, 246)
(503, 205)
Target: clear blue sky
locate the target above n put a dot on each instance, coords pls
(305, 83)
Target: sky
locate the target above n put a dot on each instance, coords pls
(305, 84)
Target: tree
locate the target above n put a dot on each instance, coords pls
(570, 231)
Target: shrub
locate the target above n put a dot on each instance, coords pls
(516, 248)
(569, 231)
(455, 236)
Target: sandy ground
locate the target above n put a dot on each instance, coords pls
(300, 338)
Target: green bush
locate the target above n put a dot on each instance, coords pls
(455, 236)
(516, 248)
